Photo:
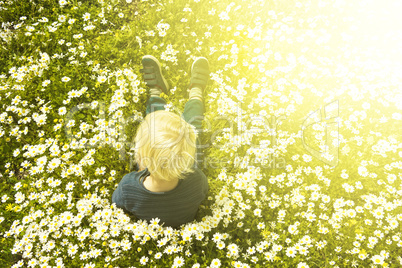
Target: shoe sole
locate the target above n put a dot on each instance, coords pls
(199, 58)
(160, 71)
(192, 66)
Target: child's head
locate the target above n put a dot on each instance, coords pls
(166, 145)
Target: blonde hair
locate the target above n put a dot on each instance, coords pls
(165, 144)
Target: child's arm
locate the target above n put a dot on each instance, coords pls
(117, 196)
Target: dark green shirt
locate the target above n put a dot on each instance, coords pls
(173, 208)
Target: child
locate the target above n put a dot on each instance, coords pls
(168, 184)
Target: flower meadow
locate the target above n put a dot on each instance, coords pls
(302, 131)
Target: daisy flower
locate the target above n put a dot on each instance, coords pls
(65, 79)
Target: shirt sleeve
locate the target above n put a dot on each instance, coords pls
(204, 183)
(206, 186)
(117, 196)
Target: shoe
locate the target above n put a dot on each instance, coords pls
(152, 74)
(199, 73)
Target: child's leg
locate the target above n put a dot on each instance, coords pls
(194, 108)
(155, 103)
(194, 114)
